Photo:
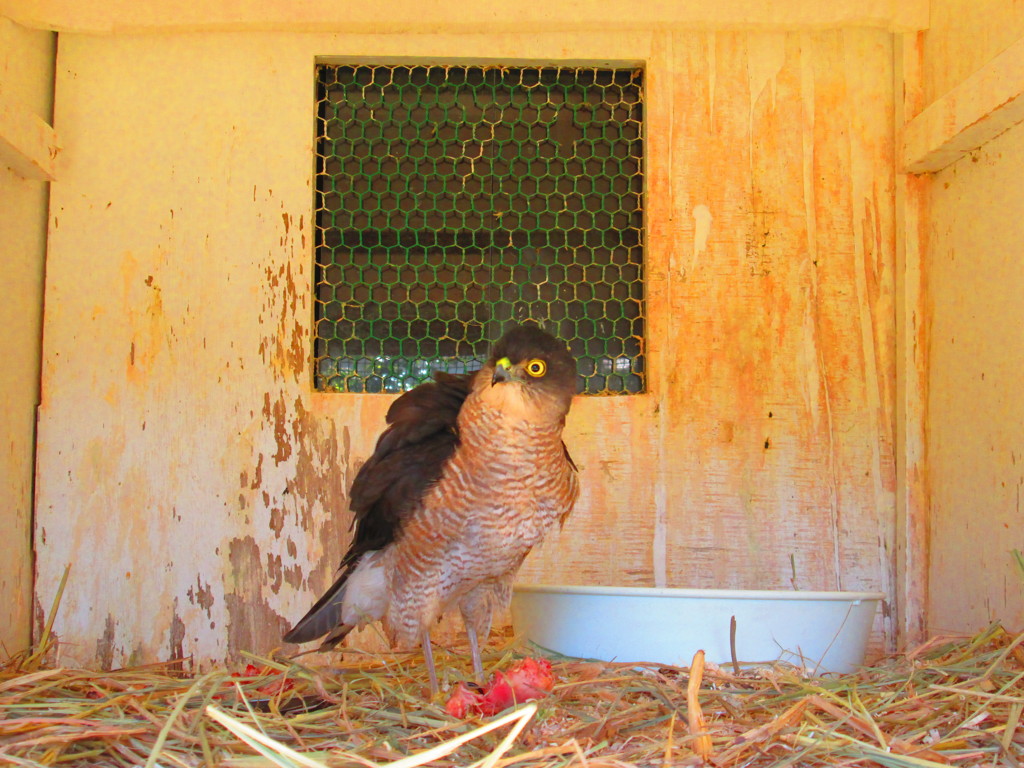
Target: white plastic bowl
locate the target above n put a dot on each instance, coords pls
(822, 631)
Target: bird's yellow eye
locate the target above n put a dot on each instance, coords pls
(536, 368)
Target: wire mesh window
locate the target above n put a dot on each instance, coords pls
(451, 201)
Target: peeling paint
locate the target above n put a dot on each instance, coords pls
(277, 521)
(201, 595)
(321, 465)
(105, 644)
(276, 412)
(257, 479)
(176, 643)
(286, 347)
(275, 572)
(293, 576)
(251, 620)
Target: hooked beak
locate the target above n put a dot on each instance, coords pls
(502, 371)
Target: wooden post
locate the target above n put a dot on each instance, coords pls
(912, 329)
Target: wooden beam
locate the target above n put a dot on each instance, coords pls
(448, 16)
(28, 145)
(913, 490)
(983, 106)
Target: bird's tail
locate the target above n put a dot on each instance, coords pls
(357, 597)
(323, 617)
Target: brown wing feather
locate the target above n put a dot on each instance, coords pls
(409, 457)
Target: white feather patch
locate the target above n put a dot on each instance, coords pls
(366, 593)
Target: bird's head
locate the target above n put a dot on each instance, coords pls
(537, 362)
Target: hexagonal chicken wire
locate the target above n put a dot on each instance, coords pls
(453, 200)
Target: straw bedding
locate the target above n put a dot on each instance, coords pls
(948, 702)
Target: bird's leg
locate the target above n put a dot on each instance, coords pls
(474, 650)
(428, 657)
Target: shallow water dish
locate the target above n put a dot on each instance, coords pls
(823, 631)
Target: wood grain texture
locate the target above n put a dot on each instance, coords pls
(198, 485)
(913, 493)
(986, 104)
(779, 412)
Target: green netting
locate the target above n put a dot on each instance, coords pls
(453, 200)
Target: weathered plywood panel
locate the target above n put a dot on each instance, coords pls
(198, 485)
(177, 304)
(26, 83)
(780, 408)
(975, 415)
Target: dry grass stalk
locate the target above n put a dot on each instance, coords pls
(698, 727)
(950, 702)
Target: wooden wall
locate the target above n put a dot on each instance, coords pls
(972, 63)
(197, 485)
(26, 98)
(976, 414)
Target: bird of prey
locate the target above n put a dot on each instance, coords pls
(468, 476)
